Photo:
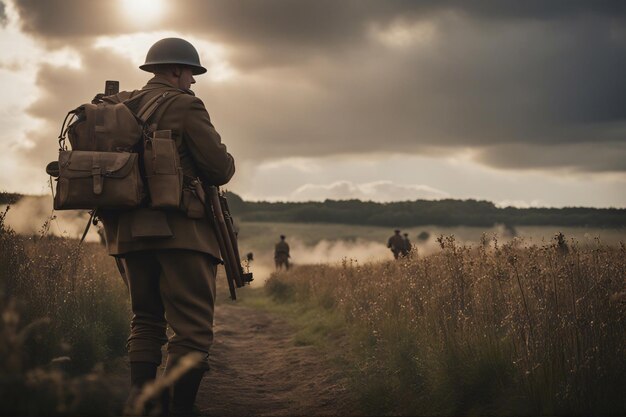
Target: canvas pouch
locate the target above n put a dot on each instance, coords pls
(104, 127)
(191, 204)
(164, 173)
(107, 180)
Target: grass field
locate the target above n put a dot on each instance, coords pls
(323, 243)
(468, 325)
(489, 330)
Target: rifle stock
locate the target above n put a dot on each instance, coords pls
(217, 212)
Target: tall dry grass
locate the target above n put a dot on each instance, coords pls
(64, 315)
(489, 330)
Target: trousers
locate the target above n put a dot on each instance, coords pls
(172, 287)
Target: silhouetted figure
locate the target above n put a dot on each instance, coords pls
(281, 254)
(560, 243)
(406, 248)
(396, 244)
(509, 230)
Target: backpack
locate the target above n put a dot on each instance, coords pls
(115, 151)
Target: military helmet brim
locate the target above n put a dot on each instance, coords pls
(173, 51)
(195, 69)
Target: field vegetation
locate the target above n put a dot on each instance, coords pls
(495, 329)
(484, 328)
(64, 317)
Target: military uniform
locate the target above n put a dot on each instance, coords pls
(407, 246)
(170, 259)
(396, 244)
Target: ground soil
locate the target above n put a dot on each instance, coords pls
(257, 370)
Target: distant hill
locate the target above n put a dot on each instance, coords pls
(446, 212)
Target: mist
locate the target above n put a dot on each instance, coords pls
(32, 214)
(332, 251)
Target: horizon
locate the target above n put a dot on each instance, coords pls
(519, 105)
(496, 205)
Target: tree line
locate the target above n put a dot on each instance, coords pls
(447, 212)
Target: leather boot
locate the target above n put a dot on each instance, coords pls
(184, 394)
(142, 373)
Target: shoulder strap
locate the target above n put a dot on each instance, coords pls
(146, 111)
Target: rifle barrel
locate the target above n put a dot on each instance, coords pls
(213, 215)
(228, 253)
(233, 238)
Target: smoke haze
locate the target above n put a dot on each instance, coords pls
(30, 214)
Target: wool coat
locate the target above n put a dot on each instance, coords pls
(202, 154)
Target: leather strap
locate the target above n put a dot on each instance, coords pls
(146, 111)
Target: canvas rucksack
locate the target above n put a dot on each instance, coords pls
(117, 158)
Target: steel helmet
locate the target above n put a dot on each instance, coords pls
(173, 51)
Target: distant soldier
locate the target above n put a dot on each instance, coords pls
(281, 254)
(396, 244)
(406, 248)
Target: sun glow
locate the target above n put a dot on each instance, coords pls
(144, 11)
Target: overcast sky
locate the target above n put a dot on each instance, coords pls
(516, 102)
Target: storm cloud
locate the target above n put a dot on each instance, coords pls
(524, 85)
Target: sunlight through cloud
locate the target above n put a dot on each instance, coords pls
(144, 12)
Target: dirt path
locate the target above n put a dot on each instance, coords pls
(256, 370)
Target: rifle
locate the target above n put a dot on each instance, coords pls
(218, 213)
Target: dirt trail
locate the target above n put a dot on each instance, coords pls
(256, 370)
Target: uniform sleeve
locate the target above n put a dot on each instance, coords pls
(215, 165)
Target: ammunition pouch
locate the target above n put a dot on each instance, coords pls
(191, 204)
(107, 180)
(164, 173)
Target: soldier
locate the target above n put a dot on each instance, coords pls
(406, 247)
(396, 244)
(281, 254)
(170, 259)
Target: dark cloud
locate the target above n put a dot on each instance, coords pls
(508, 78)
(478, 85)
(64, 19)
(285, 21)
(585, 156)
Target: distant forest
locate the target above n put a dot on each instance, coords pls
(446, 212)
(413, 213)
